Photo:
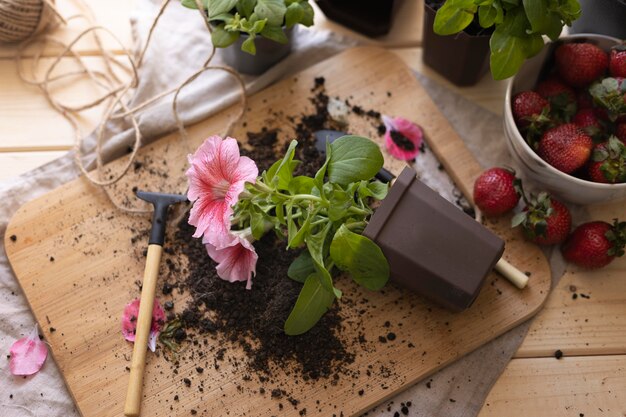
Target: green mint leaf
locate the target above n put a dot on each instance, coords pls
(487, 16)
(313, 301)
(294, 14)
(222, 38)
(301, 267)
(248, 45)
(272, 10)
(274, 33)
(554, 26)
(217, 7)
(361, 257)
(353, 158)
(309, 13)
(245, 7)
(537, 14)
(454, 16)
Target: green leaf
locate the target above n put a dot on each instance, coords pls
(315, 245)
(340, 202)
(353, 158)
(191, 4)
(274, 33)
(361, 257)
(257, 224)
(222, 38)
(272, 10)
(224, 17)
(375, 189)
(487, 16)
(537, 14)
(454, 16)
(280, 173)
(216, 7)
(554, 27)
(298, 238)
(309, 13)
(518, 219)
(313, 301)
(258, 26)
(301, 185)
(301, 267)
(245, 7)
(321, 173)
(294, 14)
(248, 45)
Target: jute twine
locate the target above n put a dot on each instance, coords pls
(116, 92)
(21, 19)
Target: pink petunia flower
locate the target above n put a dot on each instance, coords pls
(403, 138)
(216, 178)
(237, 260)
(129, 322)
(28, 354)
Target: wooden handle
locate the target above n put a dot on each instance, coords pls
(508, 271)
(144, 322)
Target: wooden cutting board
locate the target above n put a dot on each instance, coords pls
(78, 260)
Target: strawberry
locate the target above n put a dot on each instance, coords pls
(495, 191)
(584, 100)
(620, 132)
(617, 61)
(595, 244)
(544, 220)
(587, 120)
(529, 107)
(610, 95)
(579, 64)
(562, 98)
(608, 162)
(565, 147)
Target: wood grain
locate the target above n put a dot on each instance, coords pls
(16, 163)
(570, 387)
(84, 289)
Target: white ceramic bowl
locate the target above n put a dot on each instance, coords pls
(567, 187)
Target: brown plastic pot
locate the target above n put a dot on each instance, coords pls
(268, 53)
(371, 18)
(433, 248)
(462, 59)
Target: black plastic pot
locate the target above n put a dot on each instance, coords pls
(433, 248)
(268, 53)
(463, 59)
(606, 17)
(371, 18)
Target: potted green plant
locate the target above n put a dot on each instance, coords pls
(518, 27)
(254, 34)
(371, 18)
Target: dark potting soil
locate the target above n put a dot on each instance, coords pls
(401, 140)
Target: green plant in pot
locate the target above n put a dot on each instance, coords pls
(519, 26)
(254, 34)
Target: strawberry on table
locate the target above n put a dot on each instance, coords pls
(595, 244)
(617, 61)
(495, 191)
(608, 162)
(565, 147)
(562, 98)
(579, 64)
(544, 220)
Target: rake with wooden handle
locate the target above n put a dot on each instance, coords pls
(161, 203)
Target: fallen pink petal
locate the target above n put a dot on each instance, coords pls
(28, 354)
(403, 138)
(129, 322)
(237, 261)
(216, 178)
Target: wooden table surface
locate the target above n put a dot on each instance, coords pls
(589, 380)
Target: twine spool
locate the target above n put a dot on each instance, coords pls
(21, 19)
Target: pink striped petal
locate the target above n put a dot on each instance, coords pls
(28, 354)
(129, 322)
(409, 130)
(236, 262)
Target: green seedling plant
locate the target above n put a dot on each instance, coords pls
(325, 215)
(266, 18)
(519, 26)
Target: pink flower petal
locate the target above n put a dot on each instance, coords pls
(236, 262)
(28, 354)
(129, 322)
(216, 177)
(409, 130)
